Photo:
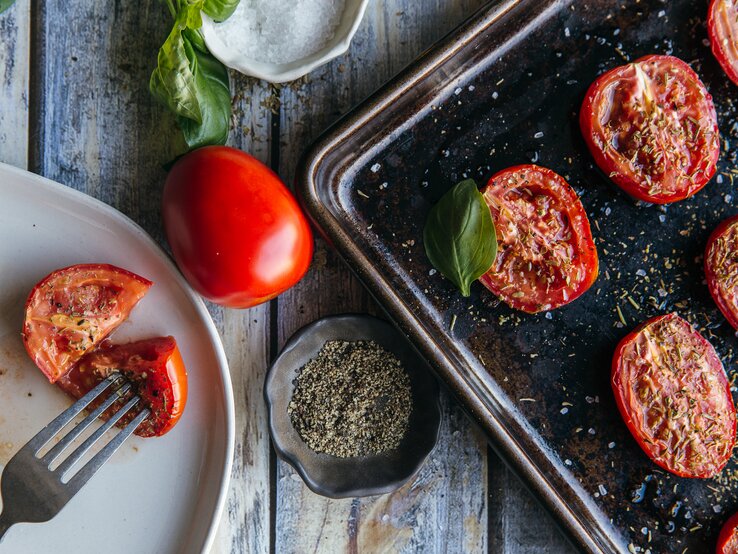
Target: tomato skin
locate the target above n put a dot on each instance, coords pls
(71, 310)
(672, 160)
(721, 252)
(531, 199)
(153, 366)
(236, 231)
(723, 31)
(727, 542)
(637, 379)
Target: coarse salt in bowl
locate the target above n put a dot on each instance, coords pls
(282, 40)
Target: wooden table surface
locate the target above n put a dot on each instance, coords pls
(75, 107)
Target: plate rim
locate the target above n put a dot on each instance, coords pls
(109, 212)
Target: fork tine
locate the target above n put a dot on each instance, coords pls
(91, 467)
(78, 429)
(80, 451)
(48, 432)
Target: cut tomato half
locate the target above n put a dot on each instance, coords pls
(153, 366)
(728, 538)
(546, 256)
(672, 391)
(73, 309)
(722, 26)
(721, 268)
(652, 128)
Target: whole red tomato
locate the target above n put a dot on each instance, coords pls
(235, 230)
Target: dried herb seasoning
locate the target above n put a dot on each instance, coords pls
(352, 399)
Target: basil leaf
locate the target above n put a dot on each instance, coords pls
(173, 80)
(460, 237)
(189, 80)
(214, 98)
(192, 15)
(195, 38)
(220, 10)
(5, 4)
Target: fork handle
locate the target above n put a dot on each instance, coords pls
(5, 524)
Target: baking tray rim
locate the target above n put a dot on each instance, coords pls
(315, 161)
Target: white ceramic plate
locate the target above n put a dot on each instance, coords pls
(159, 495)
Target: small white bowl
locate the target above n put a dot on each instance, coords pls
(283, 72)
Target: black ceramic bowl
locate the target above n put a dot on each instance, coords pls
(361, 476)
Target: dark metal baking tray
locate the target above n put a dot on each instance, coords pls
(504, 89)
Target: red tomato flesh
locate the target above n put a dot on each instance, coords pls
(71, 310)
(728, 538)
(153, 366)
(652, 128)
(672, 391)
(546, 256)
(236, 231)
(721, 268)
(722, 26)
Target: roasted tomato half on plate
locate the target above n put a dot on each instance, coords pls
(728, 538)
(73, 309)
(722, 26)
(155, 369)
(721, 268)
(546, 256)
(672, 391)
(652, 128)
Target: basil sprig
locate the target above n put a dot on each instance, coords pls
(188, 80)
(460, 237)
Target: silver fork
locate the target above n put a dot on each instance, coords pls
(31, 490)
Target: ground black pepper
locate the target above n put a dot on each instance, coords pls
(352, 399)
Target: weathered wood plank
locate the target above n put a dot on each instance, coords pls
(245, 523)
(518, 524)
(244, 526)
(100, 131)
(445, 508)
(15, 34)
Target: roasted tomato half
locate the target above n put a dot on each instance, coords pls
(73, 309)
(722, 26)
(546, 256)
(672, 391)
(652, 128)
(728, 538)
(721, 268)
(155, 369)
